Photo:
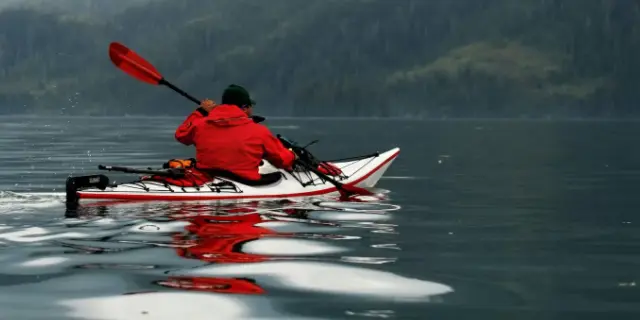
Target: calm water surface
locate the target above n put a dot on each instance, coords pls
(484, 220)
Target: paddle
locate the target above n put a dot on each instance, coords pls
(346, 190)
(172, 173)
(139, 68)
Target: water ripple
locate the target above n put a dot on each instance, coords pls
(122, 257)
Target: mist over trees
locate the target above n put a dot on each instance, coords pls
(406, 58)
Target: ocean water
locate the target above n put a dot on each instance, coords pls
(482, 220)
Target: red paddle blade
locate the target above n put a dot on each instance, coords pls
(349, 190)
(133, 64)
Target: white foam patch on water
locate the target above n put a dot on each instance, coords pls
(37, 234)
(363, 198)
(392, 246)
(290, 247)
(109, 296)
(43, 262)
(13, 202)
(359, 207)
(402, 178)
(160, 227)
(347, 216)
(368, 260)
(159, 305)
(100, 223)
(294, 227)
(40, 300)
(171, 306)
(26, 247)
(10, 196)
(22, 262)
(328, 278)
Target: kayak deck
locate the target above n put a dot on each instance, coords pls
(361, 172)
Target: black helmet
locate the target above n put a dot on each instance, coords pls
(237, 95)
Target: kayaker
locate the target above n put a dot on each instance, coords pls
(227, 140)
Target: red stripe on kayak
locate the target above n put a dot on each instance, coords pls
(146, 196)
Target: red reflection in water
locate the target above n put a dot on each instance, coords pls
(215, 234)
(218, 238)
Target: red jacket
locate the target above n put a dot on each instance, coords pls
(227, 139)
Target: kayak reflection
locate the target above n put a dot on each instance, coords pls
(218, 285)
(215, 234)
(219, 239)
(204, 253)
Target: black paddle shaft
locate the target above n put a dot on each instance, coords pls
(323, 176)
(256, 119)
(178, 90)
(174, 173)
(303, 159)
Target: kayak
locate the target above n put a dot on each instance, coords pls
(363, 171)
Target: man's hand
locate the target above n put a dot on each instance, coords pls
(207, 105)
(295, 155)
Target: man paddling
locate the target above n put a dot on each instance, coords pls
(228, 142)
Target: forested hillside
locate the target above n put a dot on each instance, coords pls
(414, 58)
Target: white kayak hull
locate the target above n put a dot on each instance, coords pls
(365, 172)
